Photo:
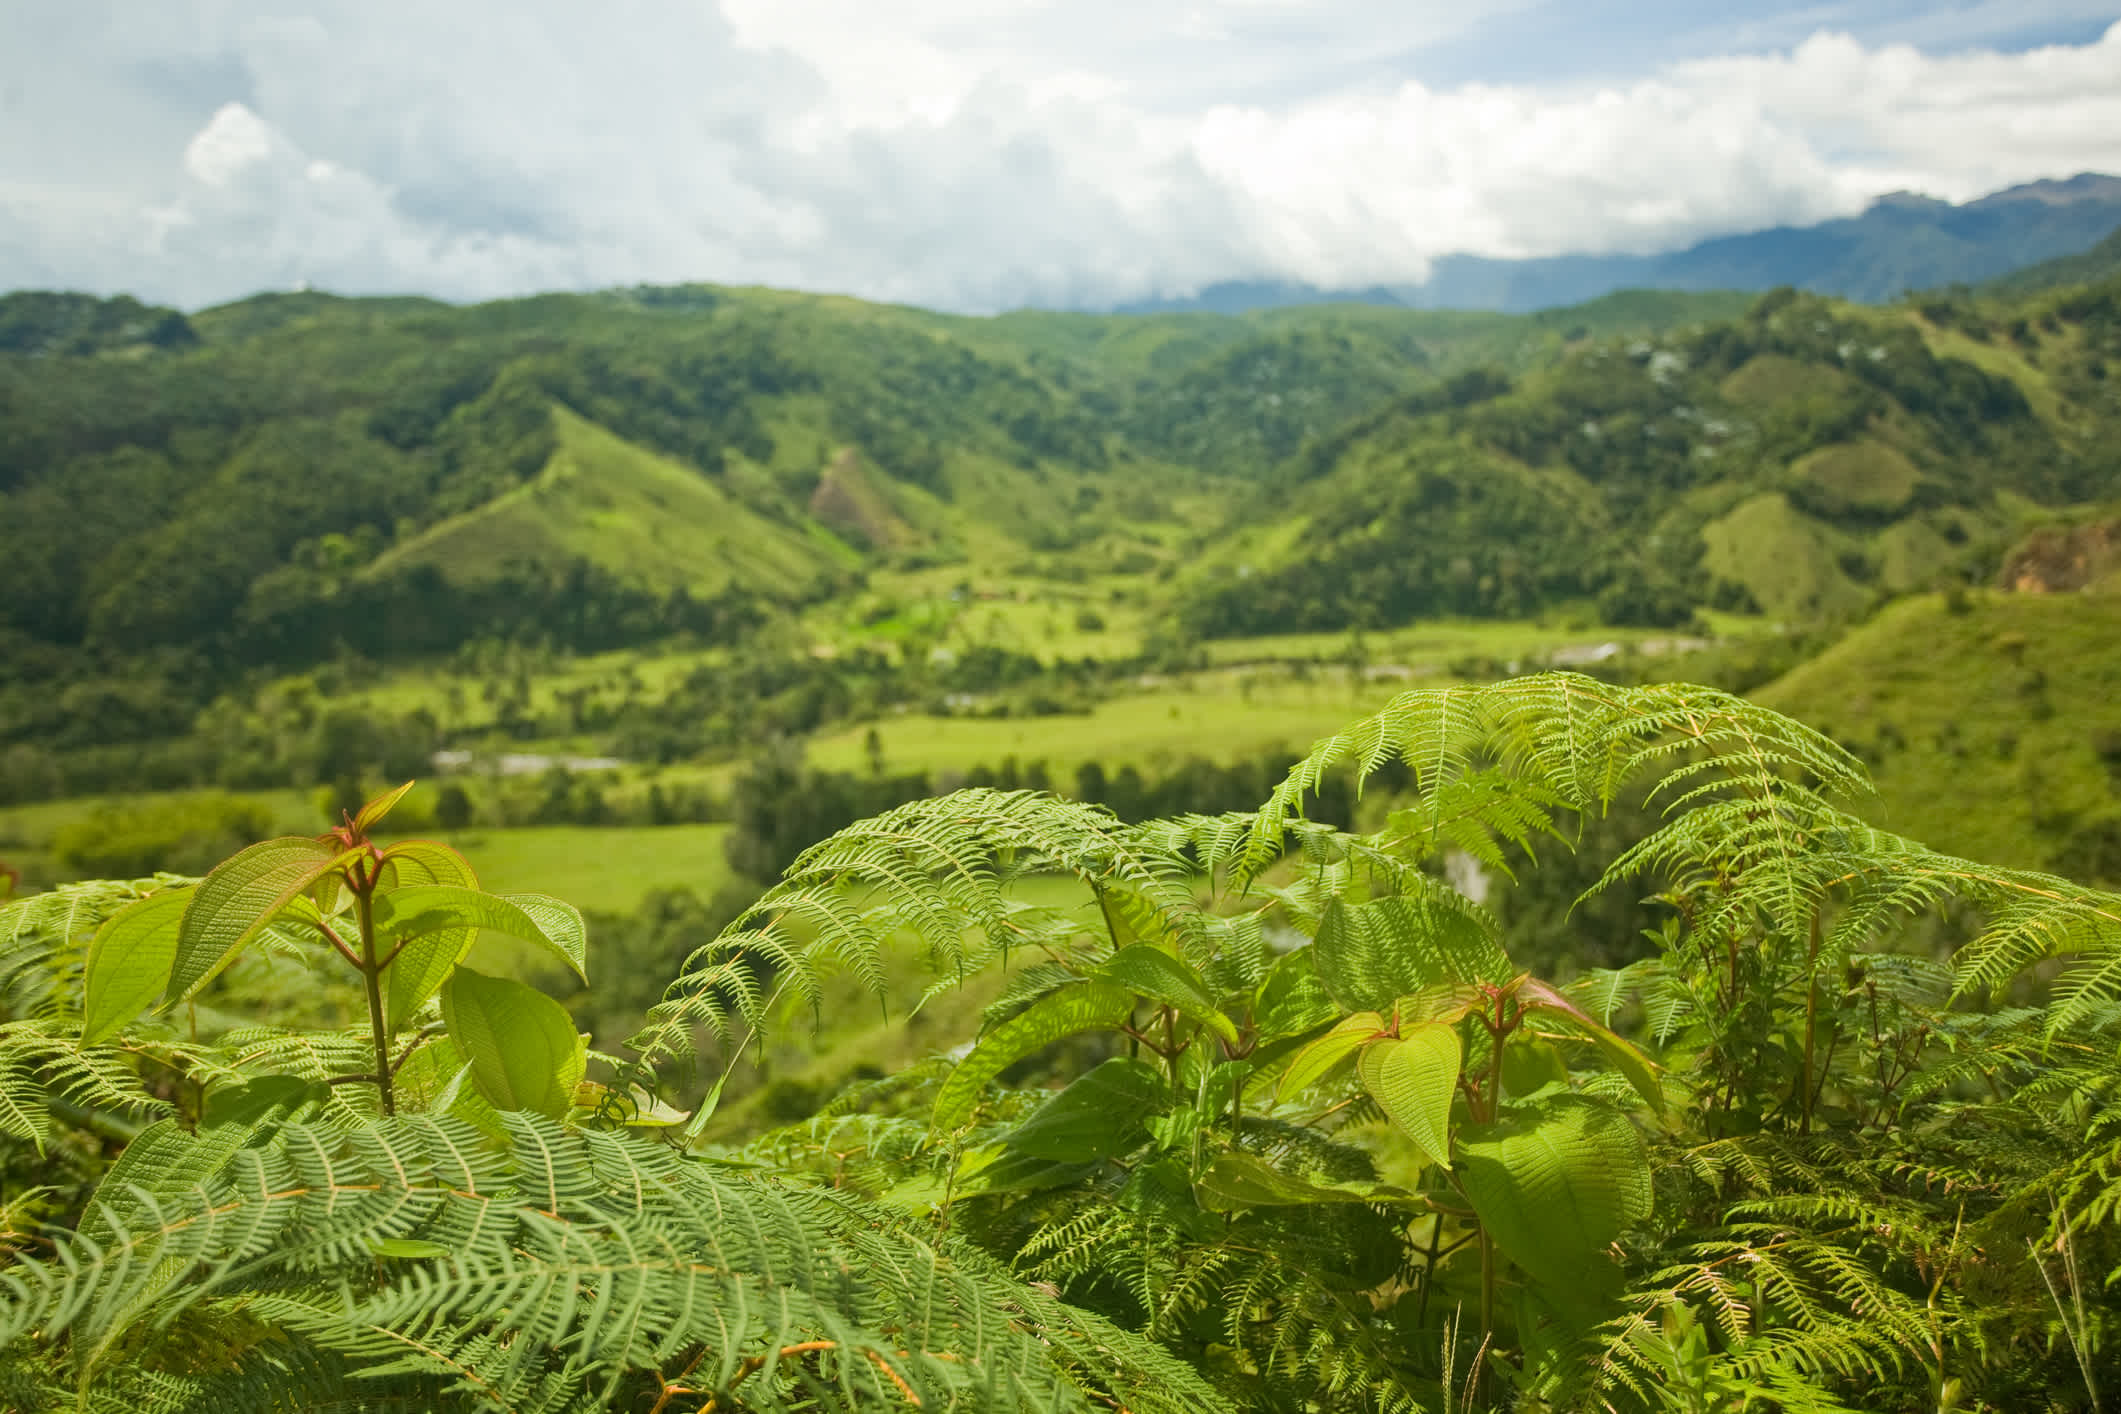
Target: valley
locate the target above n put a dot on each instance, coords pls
(672, 583)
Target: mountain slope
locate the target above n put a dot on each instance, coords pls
(1902, 242)
(1989, 722)
(643, 518)
(2101, 262)
(1804, 460)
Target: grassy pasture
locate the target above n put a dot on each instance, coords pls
(1212, 715)
(595, 869)
(1988, 731)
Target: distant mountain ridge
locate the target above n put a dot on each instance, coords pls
(1903, 241)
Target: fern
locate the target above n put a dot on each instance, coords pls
(579, 1266)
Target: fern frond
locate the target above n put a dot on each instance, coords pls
(578, 1265)
(933, 869)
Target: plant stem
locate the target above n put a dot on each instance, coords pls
(1811, 1022)
(372, 977)
(1487, 1288)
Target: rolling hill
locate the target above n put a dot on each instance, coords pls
(1989, 721)
(1806, 460)
(641, 517)
(304, 476)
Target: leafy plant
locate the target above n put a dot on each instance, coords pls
(1847, 1134)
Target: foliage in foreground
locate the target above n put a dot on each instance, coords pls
(1844, 1136)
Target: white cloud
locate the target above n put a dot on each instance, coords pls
(950, 152)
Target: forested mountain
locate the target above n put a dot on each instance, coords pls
(1903, 242)
(294, 477)
(1799, 460)
(299, 469)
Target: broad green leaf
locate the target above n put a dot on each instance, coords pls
(419, 969)
(128, 963)
(432, 927)
(1413, 1079)
(709, 1103)
(1371, 954)
(234, 903)
(1555, 1183)
(655, 1114)
(1530, 1064)
(420, 909)
(1315, 1061)
(1448, 1002)
(1085, 1006)
(410, 862)
(1620, 1053)
(373, 812)
(1096, 1117)
(525, 1054)
(997, 1168)
(1236, 1181)
(1153, 973)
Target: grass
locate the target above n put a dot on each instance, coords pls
(1212, 715)
(1789, 562)
(1860, 476)
(643, 517)
(1984, 728)
(1997, 359)
(1428, 648)
(597, 870)
(1769, 378)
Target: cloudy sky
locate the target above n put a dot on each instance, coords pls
(984, 154)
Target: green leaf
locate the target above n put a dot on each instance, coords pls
(1153, 973)
(407, 1247)
(525, 1054)
(129, 961)
(1620, 1053)
(1555, 1183)
(421, 966)
(1530, 1064)
(1413, 1079)
(1086, 1006)
(1097, 1117)
(432, 927)
(410, 862)
(234, 903)
(1236, 1181)
(1315, 1061)
(996, 1168)
(419, 909)
(1371, 954)
(373, 812)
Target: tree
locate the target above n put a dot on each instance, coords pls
(453, 807)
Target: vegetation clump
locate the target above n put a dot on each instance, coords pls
(1267, 1117)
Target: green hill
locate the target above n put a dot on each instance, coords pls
(1806, 459)
(1991, 722)
(644, 518)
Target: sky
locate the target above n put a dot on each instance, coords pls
(979, 155)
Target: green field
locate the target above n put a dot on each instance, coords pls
(598, 870)
(1991, 732)
(1221, 716)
